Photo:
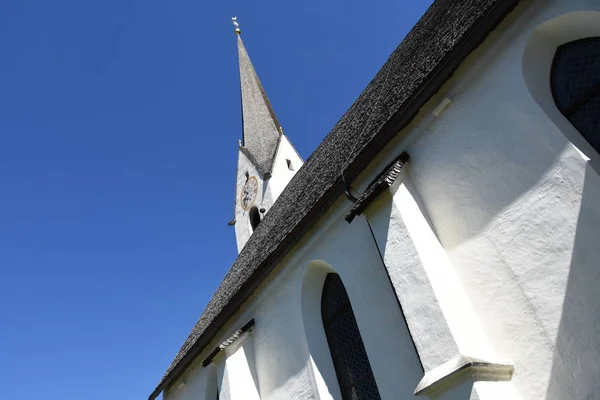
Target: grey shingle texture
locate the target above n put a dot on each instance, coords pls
(431, 51)
(261, 129)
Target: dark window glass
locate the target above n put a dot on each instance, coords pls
(254, 217)
(348, 352)
(575, 82)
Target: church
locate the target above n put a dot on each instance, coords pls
(442, 241)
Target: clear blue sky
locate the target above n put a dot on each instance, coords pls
(119, 121)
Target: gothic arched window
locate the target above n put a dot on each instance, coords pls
(575, 82)
(348, 352)
(254, 216)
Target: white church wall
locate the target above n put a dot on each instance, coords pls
(280, 347)
(278, 359)
(350, 250)
(514, 205)
(284, 361)
(268, 191)
(462, 391)
(432, 336)
(325, 379)
(212, 389)
(243, 229)
(239, 378)
(196, 383)
(445, 330)
(292, 327)
(282, 174)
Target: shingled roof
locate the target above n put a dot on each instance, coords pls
(426, 58)
(261, 131)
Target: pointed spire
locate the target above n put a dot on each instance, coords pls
(261, 129)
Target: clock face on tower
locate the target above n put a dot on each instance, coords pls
(249, 191)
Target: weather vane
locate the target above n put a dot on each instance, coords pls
(237, 25)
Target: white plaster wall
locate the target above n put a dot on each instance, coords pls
(350, 251)
(323, 370)
(442, 323)
(212, 383)
(282, 362)
(282, 175)
(268, 191)
(196, 383)
(515, 205)
(240, 380)
(434, 341)
(243, 230)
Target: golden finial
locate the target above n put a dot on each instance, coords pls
(237, 25)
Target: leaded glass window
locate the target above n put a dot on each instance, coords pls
(575, 82)
(348, 352)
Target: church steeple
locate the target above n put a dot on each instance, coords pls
(267, 161)
(261, 130)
